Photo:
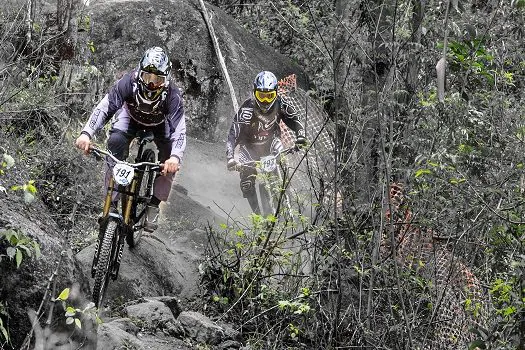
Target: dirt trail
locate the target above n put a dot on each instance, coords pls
(206, 180)
(204, 194)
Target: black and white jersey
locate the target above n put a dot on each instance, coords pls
(251, 127)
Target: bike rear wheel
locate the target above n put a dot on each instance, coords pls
(266, 199)
(269, 193)
(145, 184)
(102, 272)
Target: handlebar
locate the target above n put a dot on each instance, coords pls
(254, 163)
(99, 153)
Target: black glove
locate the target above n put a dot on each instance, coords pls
(300, 141)
(232, 164)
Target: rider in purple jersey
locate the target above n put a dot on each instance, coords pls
(144, 99)
(255, 128)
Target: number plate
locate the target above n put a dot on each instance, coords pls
(268, 164)
(123, 174)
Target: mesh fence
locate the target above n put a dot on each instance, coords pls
(313, 183)
(312, 172)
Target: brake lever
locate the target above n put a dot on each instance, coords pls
(96, 154)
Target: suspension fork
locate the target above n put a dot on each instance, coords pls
(109, 195)
(130, 197)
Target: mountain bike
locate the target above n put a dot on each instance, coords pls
(132, 183)
(271, 189)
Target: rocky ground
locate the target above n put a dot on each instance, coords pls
(166, 262)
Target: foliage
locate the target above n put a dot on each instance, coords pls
(253, 273)
(460, 159)
(18, 246)
(74, 315)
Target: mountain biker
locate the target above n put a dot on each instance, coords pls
(145, 100)
(255, 128)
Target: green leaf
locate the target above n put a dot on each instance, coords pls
(18, 257)
(9, 161)
(38, 253)
(421, 172)
(28, 197)
(30, 187)
(271, 218)
(11, 252)
(480, 344)
(63, 295)
(28, 251)
(283, 304)
(70, 311)
(78, 323)
(3, 330)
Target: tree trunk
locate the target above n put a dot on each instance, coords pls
(29, 20)
(67, 13)
(418, 7)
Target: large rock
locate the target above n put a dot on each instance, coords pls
(36, 281)
(151, 268)
(122, 30)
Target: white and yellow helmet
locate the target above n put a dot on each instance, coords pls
(265, 90)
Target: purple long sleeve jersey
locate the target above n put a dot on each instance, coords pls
(122, 95)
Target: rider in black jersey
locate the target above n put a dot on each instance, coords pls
(255, 128)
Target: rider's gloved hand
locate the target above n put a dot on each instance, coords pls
(83, 142)
(300, 141)
(232, 164)
(171, 165)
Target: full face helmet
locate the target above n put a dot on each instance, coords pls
(153, 75)
(265, 90)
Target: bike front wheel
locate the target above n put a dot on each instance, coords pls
(145, 186)
(102, 269)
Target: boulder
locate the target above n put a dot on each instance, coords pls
(151, 268)
(36, 281)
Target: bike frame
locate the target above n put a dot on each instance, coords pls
(128, 193)
(129, 196)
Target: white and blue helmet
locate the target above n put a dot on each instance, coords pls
(153, 74)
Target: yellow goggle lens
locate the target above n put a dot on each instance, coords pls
(153, 80)
(265, 96)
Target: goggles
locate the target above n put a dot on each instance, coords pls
(265, 96)
(152, 81)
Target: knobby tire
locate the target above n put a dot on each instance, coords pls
(102, 273)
